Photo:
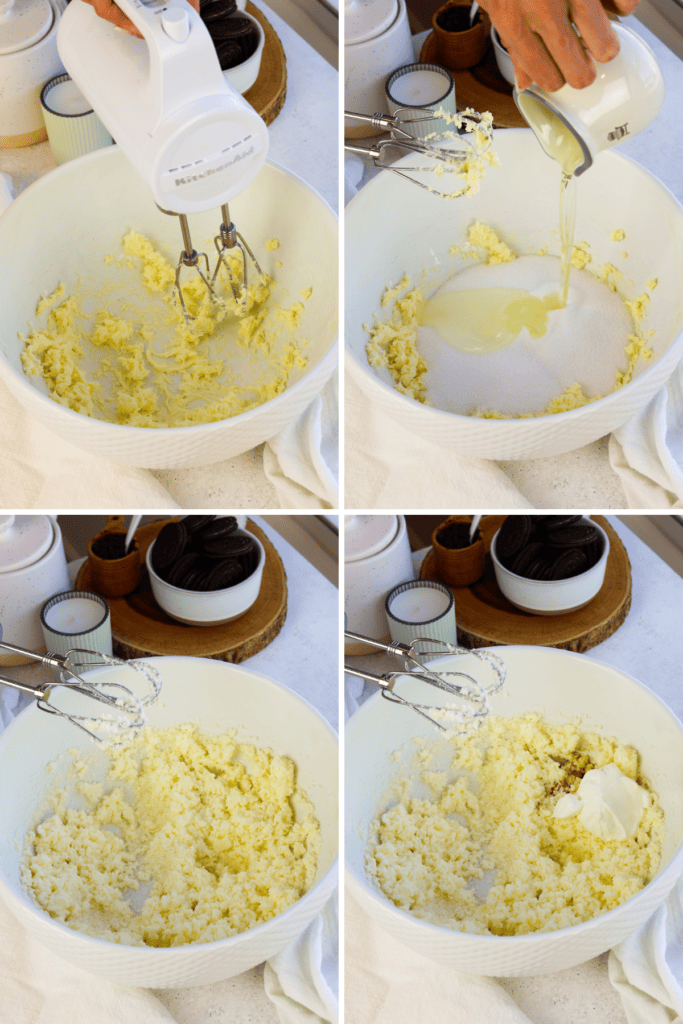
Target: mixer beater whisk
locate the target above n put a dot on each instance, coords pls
(472, 695)
(127, 715)
(229, 238)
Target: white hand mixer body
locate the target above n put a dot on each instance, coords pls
(191, 136)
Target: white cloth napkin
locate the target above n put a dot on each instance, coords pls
(386, 983)
(38, 469)
(385, 462)
(302, 462)
(646, 969)
(302, 980)
(647, 452)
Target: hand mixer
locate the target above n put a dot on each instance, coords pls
(417, 136)
(130, 716)
(473, 696)
(187, 131)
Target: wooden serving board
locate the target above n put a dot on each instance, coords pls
(140, 628)
(485, 617)
(481, 87)
(268, 93)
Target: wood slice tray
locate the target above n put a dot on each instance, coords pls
(481, 87)
(268, 93)
(140, 628)
(485, 617)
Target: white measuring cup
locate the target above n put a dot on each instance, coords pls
(574, 125)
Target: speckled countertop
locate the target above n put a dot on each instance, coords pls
(646, 647)
(303, 138)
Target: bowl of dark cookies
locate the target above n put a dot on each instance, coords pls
(204, 570)
(238, 38)
(549, 565)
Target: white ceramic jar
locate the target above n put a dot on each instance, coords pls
(32, 569)
(625, 97)
(377, 40)
(376, 559)
(28, 59)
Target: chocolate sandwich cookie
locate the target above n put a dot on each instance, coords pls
(570, 563)
(229, 28)
(177, 573)
(228, 547)
(221, 526)
(224, 574)
(559, 522)
(212, 10)
(249, 561)
(229, 53)
(512, 536)
(194, 524)
(524, 558)
(578, 535)
(169, 546)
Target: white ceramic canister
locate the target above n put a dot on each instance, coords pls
(625, 97)
(376, 559)
(32, 569)
(28, 59)
(377, 40)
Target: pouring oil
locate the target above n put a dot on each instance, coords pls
(487, 319)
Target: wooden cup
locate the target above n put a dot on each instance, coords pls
(459, 567)
(460, 50)
(114, 577)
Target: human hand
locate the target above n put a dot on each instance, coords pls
(552, 41)
(108, 10)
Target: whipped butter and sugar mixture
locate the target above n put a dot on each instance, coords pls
(191, 838)
(118, 348)
(488, 844)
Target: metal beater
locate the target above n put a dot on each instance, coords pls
(429, 130)
(473, 695)
(111, 729)
(189, 133)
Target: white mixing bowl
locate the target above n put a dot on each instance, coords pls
(218, 697)
(393, 228)
(63, 225)
(561, 685)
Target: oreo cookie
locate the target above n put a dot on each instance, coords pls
(221, 526)
(194, 524)
(576, 536)
(540, 547)
(570, 563)
(512, 537)
(169, 546)
(204, 553)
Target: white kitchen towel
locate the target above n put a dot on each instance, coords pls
(647, 452)
(302, 980)
(387, 983)
(38, 987)
(302, 462)
(387, 466)
(646, 969)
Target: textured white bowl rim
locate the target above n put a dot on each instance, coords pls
(376, 896)
(492, 426)
(150, 952)
(329, 358)
(233, 589)
(541, 584)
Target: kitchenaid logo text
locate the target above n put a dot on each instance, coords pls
(214, 170)
(619, 132)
